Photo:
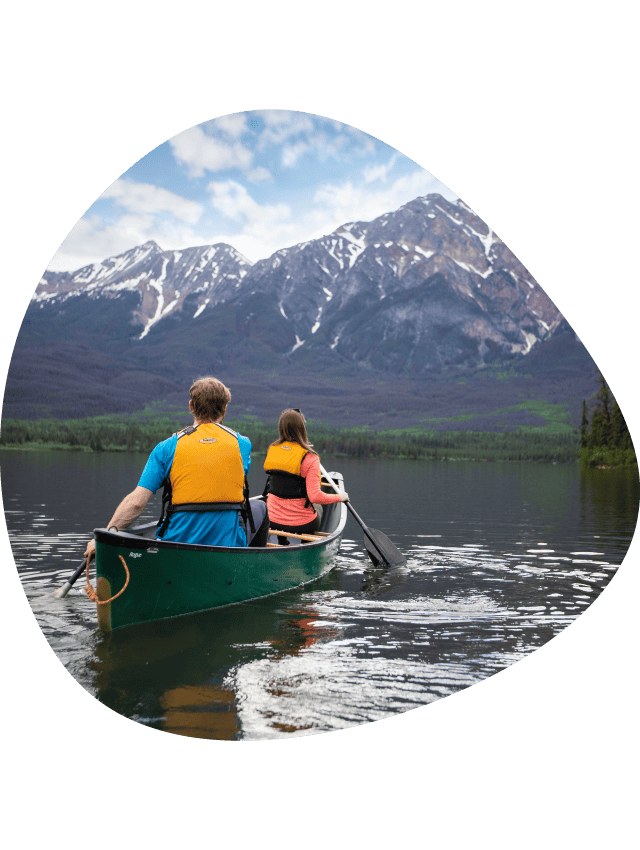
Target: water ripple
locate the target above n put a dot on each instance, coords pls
(477, 594)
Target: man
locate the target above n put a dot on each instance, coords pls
(203, 469)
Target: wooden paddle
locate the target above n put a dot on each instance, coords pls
(379, 548)
(66, 587)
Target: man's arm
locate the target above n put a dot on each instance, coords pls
(128, 509)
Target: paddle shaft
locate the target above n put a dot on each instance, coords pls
(348, 504)
(66, 587)
(386, 552)
(353, 513)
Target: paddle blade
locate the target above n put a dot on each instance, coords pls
(381, 550)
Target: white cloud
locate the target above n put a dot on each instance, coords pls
(150, 199)
(367, 143)
(263, 229)
(145, 217)
(291, 153)
(201, 152)
(298, 133)
(234, 201)
(91, 240)
(258, 174)
(349, 202)
(227, 211)
(379, 172)
(232, 125)
(281, 125)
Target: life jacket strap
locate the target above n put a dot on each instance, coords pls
(202, 507)
(247, 513)
(165, 512)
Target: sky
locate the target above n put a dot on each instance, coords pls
(259, 181)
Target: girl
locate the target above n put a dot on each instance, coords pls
(294, 479)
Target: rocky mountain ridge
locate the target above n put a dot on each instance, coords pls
(421, 312)
(418, 290)
(162, 280)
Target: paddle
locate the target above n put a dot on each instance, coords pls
(379, 548)
(66, 587)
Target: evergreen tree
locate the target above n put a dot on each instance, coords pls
(608, 440)
(584, 425)
(599, 433)
(619, 431)
(603, 402)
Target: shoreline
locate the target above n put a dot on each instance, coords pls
(553, 443)
(441, 458)
(433, 456)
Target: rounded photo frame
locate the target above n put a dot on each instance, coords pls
(628, 417)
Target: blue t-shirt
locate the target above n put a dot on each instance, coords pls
(210, 528)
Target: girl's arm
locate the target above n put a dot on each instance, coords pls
(310, 468)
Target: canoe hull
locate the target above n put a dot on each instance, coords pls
(173, 582)
(170, 579)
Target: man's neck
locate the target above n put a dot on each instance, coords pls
(197, 422)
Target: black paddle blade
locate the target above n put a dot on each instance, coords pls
(381, 550)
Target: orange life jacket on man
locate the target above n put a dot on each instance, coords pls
(282, 465)
(207, 473)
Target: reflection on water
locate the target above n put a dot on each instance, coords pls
(500, 558)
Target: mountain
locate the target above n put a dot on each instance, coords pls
(425, 293)
(158, 282)
(414, 291)
(426, 287)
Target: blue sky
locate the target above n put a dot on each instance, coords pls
(259, 181)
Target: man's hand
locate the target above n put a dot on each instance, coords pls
(91, 548)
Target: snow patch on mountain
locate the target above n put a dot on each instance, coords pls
(201, 308)
(157, 285)
(317, 322)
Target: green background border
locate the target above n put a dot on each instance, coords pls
(526, 115)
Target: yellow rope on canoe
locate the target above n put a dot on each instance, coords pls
(91, 593)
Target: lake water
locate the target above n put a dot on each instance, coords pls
(500, 558)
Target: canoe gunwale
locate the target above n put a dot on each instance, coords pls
(136, 541)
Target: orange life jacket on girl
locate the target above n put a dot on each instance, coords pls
(282, 465)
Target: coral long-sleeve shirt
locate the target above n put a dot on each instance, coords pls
(293, 511)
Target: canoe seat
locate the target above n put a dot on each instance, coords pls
(277, 533)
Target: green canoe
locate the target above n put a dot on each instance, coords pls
(172, 579)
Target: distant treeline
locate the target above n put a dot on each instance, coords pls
(605, 439)
(143, 430)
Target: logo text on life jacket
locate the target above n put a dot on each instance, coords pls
(286, 448)
(209, 440)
